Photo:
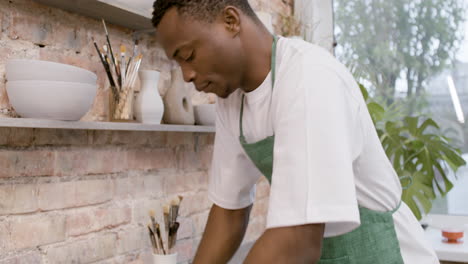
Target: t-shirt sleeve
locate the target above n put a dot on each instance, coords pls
(232, 176)
(315, 138)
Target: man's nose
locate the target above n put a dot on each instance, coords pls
(189, 73)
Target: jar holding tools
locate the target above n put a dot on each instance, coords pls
(164, 238)
(122, 73)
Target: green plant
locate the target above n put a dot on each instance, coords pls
(421, 155)
(399, 40)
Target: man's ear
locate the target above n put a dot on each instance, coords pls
(231, 19)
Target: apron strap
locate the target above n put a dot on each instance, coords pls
(242, 138)
(273, 78)
(396, 208)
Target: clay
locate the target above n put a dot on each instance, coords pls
(178, 104)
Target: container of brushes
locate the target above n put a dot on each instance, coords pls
(121, 105)
(165, 259)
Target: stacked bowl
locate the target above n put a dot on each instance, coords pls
(49, 90)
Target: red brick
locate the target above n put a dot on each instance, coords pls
(90, 220)
(58, 55)
(5, 241)
(85, 161)
(60, 195)
(130, 138)
(33, 28)
(4, 132)
(17, 137)
(195, 203)
(144, 159)
(15, 163)
(140, 211)
(206, 139)
(132, 240)
(180, 182)
(93, 192)
(184, 249)
(146, 256)
(199, 222)
(33, 257)
(133, 258)
(186, 229)
(2, 17)
(18, 198)
(37, 230)
(88, 250)
(153, 185)
(102, 137)
(71, 37)
(60, 137)
(73, 162)
(122, 187)
(178, 139)
(206, 156)
(136, 185)
(109, 161)
(191, 160)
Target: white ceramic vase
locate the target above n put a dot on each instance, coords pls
(149, 106)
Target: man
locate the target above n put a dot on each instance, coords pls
(289, 111)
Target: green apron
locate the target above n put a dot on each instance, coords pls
(373, 242)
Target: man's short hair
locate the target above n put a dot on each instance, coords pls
(205, 10)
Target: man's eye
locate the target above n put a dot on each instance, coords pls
(191, 57)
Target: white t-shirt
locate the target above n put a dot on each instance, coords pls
(327, 155)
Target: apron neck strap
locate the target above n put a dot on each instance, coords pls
(273, 77)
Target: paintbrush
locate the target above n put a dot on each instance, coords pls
(104, 63)
(157, 230)
(173, 234)
(131, 58)
(173, 214)
(108, 42)
(135, 47)
(173, 224)
(112, 68)
(133, 72)
(153, 240)
(174, 210)
(158, 233)
(166, 218)
(123, 67)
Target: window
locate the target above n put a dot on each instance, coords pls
(413, 54)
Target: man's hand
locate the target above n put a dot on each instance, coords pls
(288, 245)
(223, 235)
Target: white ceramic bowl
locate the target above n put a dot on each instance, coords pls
(51, 100)
(24, 70)
(205, 114)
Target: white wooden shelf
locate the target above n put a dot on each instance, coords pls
(133, 14)
(80, 125)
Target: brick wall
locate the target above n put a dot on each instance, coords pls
(70, 196)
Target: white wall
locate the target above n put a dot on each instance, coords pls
(317, 18)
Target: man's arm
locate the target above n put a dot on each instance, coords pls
(224, 232)
(294, 245)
